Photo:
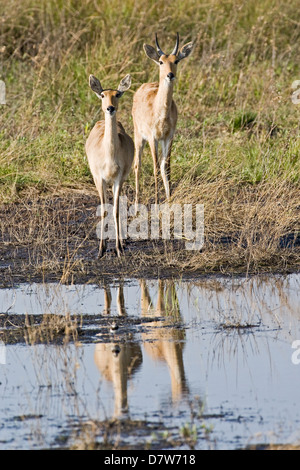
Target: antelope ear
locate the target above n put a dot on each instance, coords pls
(151, 53)
(185, 51)
(95, 85)
(125, 84)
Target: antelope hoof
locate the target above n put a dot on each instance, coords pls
(101, 252)
(119, 250)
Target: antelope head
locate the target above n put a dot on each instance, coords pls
(168, 63)
(110, 97)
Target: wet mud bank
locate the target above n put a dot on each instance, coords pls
(33, 329)
(55, 239)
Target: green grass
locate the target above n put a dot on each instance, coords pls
(233, 94)
(238, 130)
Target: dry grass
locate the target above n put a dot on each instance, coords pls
(37, 329)
(245, 231)
(259, 226)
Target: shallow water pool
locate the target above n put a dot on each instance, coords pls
(216, 365)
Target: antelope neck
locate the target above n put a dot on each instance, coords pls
(164, 97)
(110, 135)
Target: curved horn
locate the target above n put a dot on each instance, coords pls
(175, 50)
(160, 52)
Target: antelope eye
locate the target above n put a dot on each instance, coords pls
(160, 62)
(176, 61)
(102, 95)
(119, 94)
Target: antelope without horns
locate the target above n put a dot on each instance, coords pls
(110, 153)
(154, 113)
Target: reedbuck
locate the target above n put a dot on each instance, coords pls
(155, 113)
(110, 153)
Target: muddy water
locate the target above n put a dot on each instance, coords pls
(207, 364)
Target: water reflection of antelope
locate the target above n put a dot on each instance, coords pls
(165, 343)
(117, 364)
(161, 342)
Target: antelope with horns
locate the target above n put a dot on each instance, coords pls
(110, 153)
(155, 113)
